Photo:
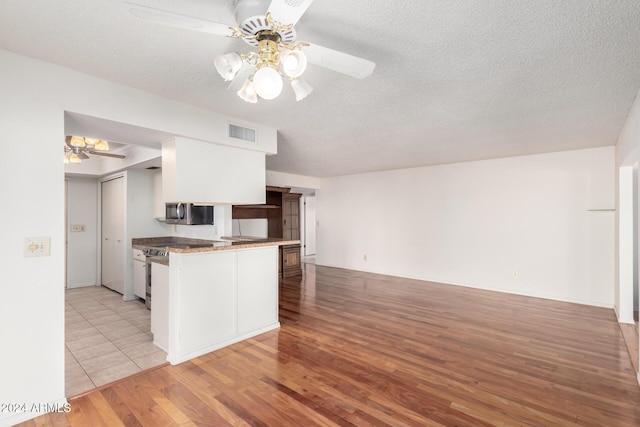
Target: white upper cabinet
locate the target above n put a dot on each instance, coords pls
(207, 173)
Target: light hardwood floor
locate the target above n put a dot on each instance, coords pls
(364, 349)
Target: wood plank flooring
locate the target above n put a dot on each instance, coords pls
(630, 335)
(363, 349)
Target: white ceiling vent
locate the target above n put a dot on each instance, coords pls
(242, 133)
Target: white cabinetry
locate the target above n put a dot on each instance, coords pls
(257, 299)
(160, 305)
(215, 299)
(139, 274)
(201, 172)
(207, 299)
(113, 224)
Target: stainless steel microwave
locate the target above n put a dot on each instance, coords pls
(188, 214)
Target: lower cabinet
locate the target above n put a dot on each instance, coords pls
(160, 305)
(214, 299)
(206, 299)
(139, 278)
(290, 259)
(257, 298)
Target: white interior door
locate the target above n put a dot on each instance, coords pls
(310, 225)
(113, 234)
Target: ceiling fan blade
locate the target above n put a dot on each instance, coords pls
(173, 19)
(82, 155)
(339, 61)
(288, 11)
(241, 77)
(105, 154)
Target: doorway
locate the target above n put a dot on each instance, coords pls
(309, 219)
(627, 296)
(627, 302)
(106, 337)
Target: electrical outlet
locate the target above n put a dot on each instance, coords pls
(515, 274)
(77, 228)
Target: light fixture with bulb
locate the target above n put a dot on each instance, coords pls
(273, 61)
(76, 149)
(267, 26)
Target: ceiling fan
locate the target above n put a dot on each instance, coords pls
(267, 25)
(76, 149)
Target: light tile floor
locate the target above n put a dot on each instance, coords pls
(106, 339)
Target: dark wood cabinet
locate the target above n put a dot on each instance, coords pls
(282, 211)
(291, 216)
(291, 261)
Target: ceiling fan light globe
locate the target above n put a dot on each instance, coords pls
(101, 145)
(301, 89)
(77, 141)
(248, 92)
(74, 158)
(294, 62)
(267, 82)
(90, 142)
(228, 65)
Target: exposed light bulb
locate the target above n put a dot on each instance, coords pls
(267, 82)
(294, 62)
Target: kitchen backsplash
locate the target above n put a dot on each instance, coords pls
(257, 227)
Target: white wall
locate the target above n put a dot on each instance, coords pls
(474, 223)
(82, 253)
(32, 295)
(627, 158)
(628, 144)
(308, 225)
(281, 179)
(253, 227)
(35, 96)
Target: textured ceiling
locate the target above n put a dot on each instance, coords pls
(454, 81)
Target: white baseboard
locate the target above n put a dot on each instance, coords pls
(176, 359)
(478, 286)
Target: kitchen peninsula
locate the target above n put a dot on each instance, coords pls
(210, 294)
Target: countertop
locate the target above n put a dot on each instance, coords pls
(184, 245)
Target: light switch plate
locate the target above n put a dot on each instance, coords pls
(37, 246)
(77, 228)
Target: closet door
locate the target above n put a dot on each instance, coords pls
(113, 250)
